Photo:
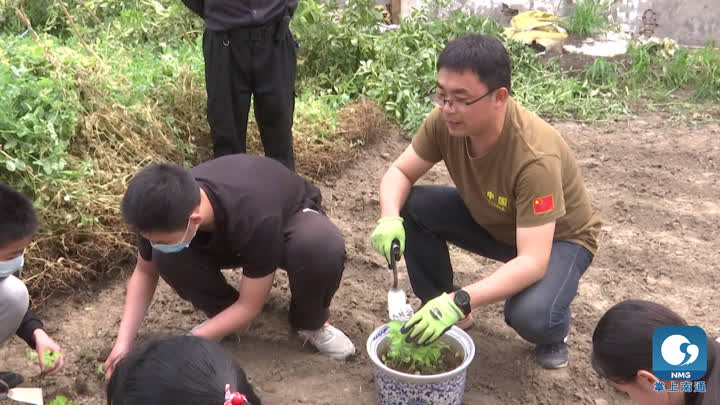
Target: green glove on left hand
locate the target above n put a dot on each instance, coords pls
(432, 320)
(387, 230)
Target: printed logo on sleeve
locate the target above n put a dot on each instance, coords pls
(543, 204)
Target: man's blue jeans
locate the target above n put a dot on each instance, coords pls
(435, 215)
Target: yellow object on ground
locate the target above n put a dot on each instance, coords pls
(666, 45)
(537, 27)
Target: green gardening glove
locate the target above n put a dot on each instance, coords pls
(388, 229)
(432, 320)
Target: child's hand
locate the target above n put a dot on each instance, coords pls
(119, 352)
(43, 344)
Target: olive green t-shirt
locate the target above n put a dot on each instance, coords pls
(528, 178)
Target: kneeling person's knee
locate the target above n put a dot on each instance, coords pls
(14, 302)
(530, 320)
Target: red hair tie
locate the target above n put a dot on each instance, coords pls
(234, 398)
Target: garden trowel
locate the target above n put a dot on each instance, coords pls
(25, 395)
(398, 306)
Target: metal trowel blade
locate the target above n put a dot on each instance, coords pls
(26, 395)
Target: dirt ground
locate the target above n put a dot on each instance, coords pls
(655, 181)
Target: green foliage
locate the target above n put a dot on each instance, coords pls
(315, 116)
(602, 72)
(38, 109)
(100, 372)
(132, 21)
(49, 357)
(346, 54)
(415, 359)
(651, 68)
(61, 400)
(588, 17)
(31, 354)
(548, 90)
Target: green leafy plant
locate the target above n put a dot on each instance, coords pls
(588, 17)
(61, 400)
(602, 72)
(408, 357)
(31, 354)
(49, 357)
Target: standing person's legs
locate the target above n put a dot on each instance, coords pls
(275, 66)
(314, 259)
(227, 80)
(14, 302)
(541, 312)
(432, 216)
(196, 278)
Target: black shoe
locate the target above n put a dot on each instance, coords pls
(10, 379)
(553, 355)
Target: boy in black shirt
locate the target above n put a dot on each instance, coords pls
(236, 211)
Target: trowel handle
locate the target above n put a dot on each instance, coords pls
(394, 253)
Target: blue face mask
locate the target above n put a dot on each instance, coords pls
(175, 247)
(9, 267)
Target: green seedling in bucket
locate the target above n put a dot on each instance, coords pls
(408, 357)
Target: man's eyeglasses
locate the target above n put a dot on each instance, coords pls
(453, 104)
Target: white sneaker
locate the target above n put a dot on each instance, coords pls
(329, 340)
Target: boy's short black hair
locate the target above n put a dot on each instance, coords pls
(484, 55)
(179, 370)
(160, 197)
(18, 219)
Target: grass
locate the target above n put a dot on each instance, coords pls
(588, 17)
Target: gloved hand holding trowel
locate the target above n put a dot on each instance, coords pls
(437, 315)
(391, 230)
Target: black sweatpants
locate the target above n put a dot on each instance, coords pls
(314, 258)
(241, 62)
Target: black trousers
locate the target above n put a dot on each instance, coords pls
(314, 258)
(261, 62)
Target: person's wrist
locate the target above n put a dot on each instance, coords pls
(461, 299)
(122, 341)
(389, 218)
(39, 333)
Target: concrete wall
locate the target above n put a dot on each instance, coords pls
(688, 22)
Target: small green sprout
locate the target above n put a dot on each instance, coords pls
(61, 400)
(100, 371)
(49, 357)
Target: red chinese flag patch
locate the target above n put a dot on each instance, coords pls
(543, 204)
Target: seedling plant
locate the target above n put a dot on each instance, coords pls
(49, 357)
(61, 400)
(435, 358)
